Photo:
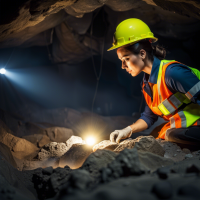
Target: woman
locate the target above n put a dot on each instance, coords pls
(171, 89)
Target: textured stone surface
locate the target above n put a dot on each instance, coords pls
(142, 143)
(106, 144)
(49, 181)
(125, 164)
(33, 24)
(98, 160)
(52, 149)
(44, 140)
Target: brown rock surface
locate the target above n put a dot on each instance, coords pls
(44, 140)
(59, 134)
(16, 144)
(33, 138)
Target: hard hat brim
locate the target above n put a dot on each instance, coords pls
(153, 39)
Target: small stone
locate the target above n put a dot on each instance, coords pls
(178, 150)
(185, 150)
(188, 156)
(162, 189)
(175, 155)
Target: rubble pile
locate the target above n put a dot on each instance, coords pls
(145, 167)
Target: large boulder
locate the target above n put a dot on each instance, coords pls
(127, 163)
(98, 160)
(16, 144)
(142, 143)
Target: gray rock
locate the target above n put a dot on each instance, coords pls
(125, 164)
(98, 160)
(49, 181)
(188, 156)
(47, 171)
(78, 180)
(142, 143)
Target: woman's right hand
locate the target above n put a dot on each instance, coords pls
(117, 135)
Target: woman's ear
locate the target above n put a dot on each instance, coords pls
(143, 54)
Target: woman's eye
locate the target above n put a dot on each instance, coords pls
(126, 59)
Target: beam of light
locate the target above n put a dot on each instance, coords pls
(90, 141)
(2, 71)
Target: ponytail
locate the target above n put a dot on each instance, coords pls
(159, 52)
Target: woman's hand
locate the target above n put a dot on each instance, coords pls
(117, 135)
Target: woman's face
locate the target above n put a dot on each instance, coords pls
(132, 63)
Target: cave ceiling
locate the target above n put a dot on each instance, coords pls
(74, 27)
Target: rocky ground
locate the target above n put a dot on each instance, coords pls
(54, 167)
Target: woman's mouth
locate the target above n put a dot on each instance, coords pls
(129, 71)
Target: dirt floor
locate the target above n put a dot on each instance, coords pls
(143, 168)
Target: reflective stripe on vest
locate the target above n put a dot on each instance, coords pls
(170, 105)
(188, 116)
(193, 91)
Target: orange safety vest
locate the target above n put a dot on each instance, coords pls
(176, 108)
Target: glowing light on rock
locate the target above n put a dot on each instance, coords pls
(90, 141)
(2, 71)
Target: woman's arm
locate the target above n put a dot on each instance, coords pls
(146, 120)
(180, 78)
(139, 125)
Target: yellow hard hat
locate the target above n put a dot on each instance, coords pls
(131, 31)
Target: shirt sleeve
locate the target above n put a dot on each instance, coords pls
(180, 78)
(148, 116)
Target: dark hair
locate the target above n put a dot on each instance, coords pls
(151, 50)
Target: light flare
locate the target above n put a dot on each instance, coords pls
(2, 71)
(90, 141)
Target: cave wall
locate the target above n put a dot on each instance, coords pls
(63, 35)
